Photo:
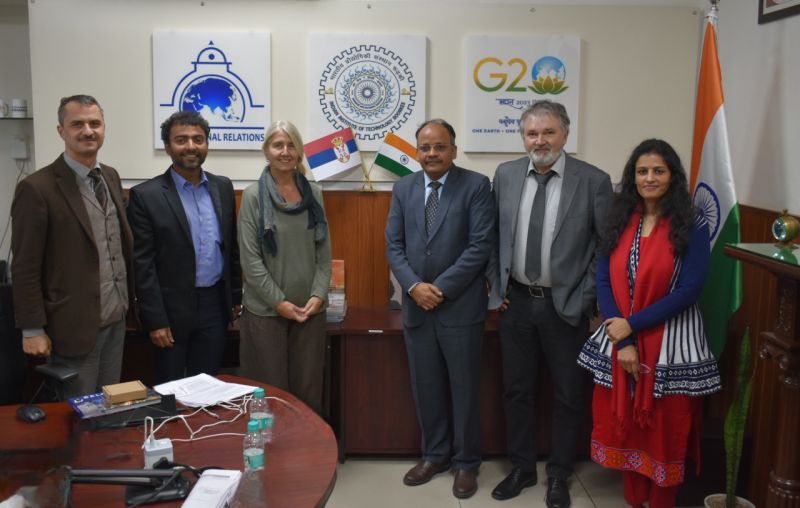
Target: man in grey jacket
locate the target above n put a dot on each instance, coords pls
(550, 209)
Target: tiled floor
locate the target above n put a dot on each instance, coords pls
(378, 484)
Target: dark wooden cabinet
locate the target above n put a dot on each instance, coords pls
(374, 410)
(778, 376)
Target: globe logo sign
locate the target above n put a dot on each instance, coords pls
(548, 76)
(219, 85)
(214, 96)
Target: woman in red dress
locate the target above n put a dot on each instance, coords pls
(650, 359)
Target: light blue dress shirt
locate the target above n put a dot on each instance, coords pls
(204, 226)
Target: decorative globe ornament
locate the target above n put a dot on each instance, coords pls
(785, 229)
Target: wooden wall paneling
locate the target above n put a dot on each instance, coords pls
(378, 392)
(357, 221)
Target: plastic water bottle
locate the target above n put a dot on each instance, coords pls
(259, 411)
(267, 425)
(253, 449)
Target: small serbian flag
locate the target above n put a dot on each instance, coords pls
(332, 154)
(398, 156)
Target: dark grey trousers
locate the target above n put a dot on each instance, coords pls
(445, 365)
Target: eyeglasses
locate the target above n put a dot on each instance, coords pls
(435, 148)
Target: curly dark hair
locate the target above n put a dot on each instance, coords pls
(675, 204)
(183, 118)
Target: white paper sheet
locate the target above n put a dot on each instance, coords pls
(203, 390)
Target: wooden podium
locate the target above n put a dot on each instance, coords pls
(780, 354)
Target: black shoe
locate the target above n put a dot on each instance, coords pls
(557, 493)
(514, 483)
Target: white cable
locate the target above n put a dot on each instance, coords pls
(240, 408)
(284, 402)
(152, 431)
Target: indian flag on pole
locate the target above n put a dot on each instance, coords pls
(398, 156)
(714, 193)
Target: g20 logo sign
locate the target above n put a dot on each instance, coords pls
(547, 75)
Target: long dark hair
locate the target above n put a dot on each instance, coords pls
(675, 204)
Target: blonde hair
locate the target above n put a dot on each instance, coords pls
(290, 130)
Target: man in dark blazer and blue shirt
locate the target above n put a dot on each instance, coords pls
(186, 258)
(551, 208)
(439, 236)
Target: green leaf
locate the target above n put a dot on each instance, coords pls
(736, 420)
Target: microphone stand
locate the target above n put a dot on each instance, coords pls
(143, 485)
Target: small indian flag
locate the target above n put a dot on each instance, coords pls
(398, 156)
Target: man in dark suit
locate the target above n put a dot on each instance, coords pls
(72, 251)
(551, 208)
(188, 279)
(439, 236)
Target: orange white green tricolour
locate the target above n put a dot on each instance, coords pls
(397, 155)
(711, 179)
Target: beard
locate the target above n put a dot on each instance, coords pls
(184, 162)
(544, 159)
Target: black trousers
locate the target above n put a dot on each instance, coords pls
(198, 349)
(532, 332)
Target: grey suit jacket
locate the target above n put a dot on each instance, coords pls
(164, 254)
(586, 195)
(454, 256)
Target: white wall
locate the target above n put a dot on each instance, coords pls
(638, 66)
(761, 79)
(15, 83)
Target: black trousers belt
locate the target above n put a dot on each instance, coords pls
(533, 290)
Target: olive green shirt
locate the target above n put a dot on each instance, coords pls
(300, 269)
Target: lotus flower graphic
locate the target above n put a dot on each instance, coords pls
(548, 76)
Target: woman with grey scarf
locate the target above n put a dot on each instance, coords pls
(286, 262)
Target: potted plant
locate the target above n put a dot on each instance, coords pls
(735, 423)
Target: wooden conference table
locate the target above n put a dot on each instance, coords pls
(300, 464)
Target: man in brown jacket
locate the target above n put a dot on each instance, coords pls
(71, 270)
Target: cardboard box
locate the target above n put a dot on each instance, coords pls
(123, 392)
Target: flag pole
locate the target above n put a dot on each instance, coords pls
(367, 185)
(713, 12)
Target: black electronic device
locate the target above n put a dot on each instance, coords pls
(30, 413)
(60, 373)
(166, 408)
(165, 482)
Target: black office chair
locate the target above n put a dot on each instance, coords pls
(13, 363)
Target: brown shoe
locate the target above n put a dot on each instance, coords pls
(465, 483)
(423, 472)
